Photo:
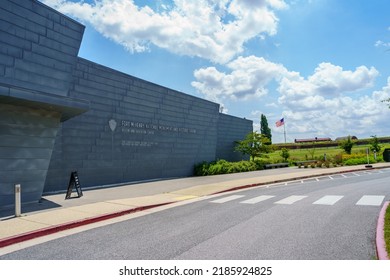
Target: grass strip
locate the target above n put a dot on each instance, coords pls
(387, 229)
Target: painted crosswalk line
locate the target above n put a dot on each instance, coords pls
(257, 199)
(228, 198)
(328, 200)
(291, 199)
(371, 200)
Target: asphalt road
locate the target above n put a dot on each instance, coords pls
(332, 217)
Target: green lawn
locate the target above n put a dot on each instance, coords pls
(318, 153)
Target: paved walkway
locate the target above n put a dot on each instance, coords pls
(54, 213)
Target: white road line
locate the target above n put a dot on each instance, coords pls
(371, 200)
(356, 174)
(291, 199)
(257, 199)
(228, 198)
(328, 200)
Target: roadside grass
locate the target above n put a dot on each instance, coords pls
(387, 230)
(305, 154)
(310, 153)
(335, 156)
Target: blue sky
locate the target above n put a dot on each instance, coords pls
(323, 65)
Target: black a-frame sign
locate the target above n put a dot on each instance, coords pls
(74, 183)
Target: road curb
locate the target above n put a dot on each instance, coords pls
(57, 228)
(380, 234)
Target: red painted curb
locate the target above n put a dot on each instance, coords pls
(380, 234)
(57, 228)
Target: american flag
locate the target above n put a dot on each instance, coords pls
(280, 122)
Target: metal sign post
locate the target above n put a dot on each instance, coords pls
(368, 159)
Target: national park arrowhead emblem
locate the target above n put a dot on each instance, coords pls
(112, 124)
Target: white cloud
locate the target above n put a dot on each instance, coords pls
(328, 81)
(332, 115)
(325, 103)
(248, 78)
(380, 43)
(215, 30)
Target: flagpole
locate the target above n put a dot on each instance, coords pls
(280, 123)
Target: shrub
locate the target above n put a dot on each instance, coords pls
(347, 145)
(358, 160)
(201, 169)
(374, 142)
(338, 159)
(260, 163)
(284, 154)
(223, 167)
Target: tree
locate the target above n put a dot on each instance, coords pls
(254, 145)
(285, 154)
(347, 145)
(374, 142)
(264, 128)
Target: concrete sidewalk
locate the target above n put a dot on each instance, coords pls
(54, 213)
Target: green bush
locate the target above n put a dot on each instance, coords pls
(201, 169)
(261, 162)
(357, 161)
(223, 167)
(284, 154)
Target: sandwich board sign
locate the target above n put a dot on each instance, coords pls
(74, 182)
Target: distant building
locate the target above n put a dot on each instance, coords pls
(345, 138)
(309, 140)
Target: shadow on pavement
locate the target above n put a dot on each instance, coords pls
(43, 204)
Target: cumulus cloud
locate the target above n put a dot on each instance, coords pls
(327, 81)
(332, 114)
(212, 29)
(248, 78)
(328, 103)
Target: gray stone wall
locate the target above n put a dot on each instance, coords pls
(38, 47)
(230, 130)
(155, 132)
(26, 144)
